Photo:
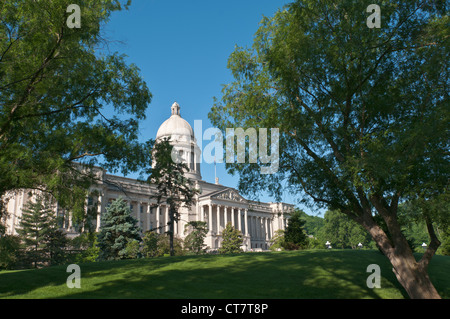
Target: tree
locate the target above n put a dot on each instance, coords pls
(56, 243)
(119, 228)
(150, 244)
(54, 102)
(362, 115)
(313, 224)
(195, 240)
(132, 249)
(342, 231)
(231, 240)
(294, 235)
(172, 186)
(277, 241)
(9, 247)
(43, 242)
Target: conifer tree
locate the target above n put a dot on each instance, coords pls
(118, 229)
(294, 236)
(232, 240)
(173, 187)
(36, 229)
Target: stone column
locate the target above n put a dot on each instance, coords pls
(166, 217)
(158, 210)
(210, 225)
(69, 227)
(246, 222)
(202, 213)
(233, 222)
(138, 214)
(148, 215)
(218, 218)
(225, 213)
(266, 230)
(99, 212)
(239, 220)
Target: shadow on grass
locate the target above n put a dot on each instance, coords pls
(281, 275)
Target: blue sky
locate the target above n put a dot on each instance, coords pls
(182, 49)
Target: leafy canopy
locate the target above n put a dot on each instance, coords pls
(65, 99)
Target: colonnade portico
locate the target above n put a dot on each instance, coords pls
(257, 230)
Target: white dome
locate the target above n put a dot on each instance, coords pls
(182, 138)
(175, 126)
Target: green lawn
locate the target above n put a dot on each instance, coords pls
(301, 274)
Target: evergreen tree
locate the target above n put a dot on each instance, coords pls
(232, 240)
(195, 240)
(37, 229)
(118, 229)
(173, 187)
(294, 236)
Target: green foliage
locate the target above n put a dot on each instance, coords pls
(132, 249)
(87, 246)
(54, 102)
(158, 245)
(195, 240)
(172, 186)
(231, 240)
(342, 232)
(294, 235)
(277, 241)
(150, 244)
(118, 229)
(9, 247)
(312, 223)
(42, 240)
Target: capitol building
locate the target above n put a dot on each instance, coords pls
(216, 204)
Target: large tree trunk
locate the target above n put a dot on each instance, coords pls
(413, 277)
(411, 274)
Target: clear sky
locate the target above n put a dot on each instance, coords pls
(182, 48)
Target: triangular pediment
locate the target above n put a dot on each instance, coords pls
(229, 194)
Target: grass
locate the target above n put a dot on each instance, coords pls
(276, 275)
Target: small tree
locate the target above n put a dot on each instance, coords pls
(195, 240)
(37, 228)
(277, 240)
(118, 229)
(173, 187)
(294, 236)
(150, 241)
(132, 249)
(55, 244)
(232, 240)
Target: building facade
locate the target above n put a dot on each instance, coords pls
(216, 204)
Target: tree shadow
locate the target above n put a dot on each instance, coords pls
(317, 274)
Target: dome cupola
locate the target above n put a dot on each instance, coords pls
(182, 138)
